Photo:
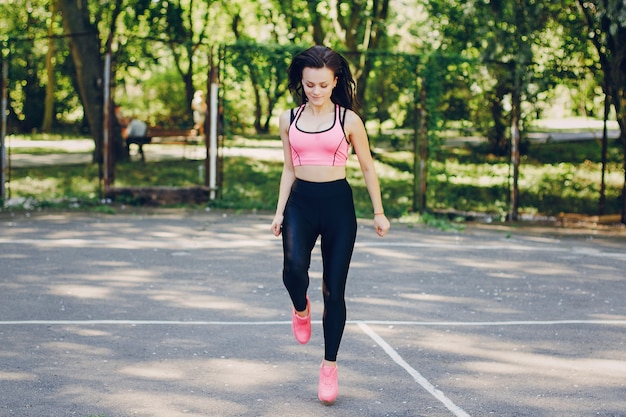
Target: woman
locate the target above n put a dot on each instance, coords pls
(199, 107)
(316, 200)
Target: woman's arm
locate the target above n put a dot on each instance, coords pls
(357, 135)
(288, 175)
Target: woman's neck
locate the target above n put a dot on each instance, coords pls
(321, 109)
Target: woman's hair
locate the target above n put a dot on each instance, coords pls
(318, 56)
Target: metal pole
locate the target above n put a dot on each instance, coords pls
(207, 123)
(213, 136)
(106, 134)
(211, 132)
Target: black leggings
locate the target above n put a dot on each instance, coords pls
(327, 210)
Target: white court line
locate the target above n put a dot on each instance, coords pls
(439, 395)
(273, 323)
(145, 322)
(430, 388)
(493, 323)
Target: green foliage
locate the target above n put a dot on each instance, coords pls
(250, 184)
(260, 70)
(442, 222)
(477, 55)
(459, 184)
(556, 152)
(74, 186)
(521, 50)
(23, 50)
(392, 89)
(162, 58)
(174, 173)
(154, 43)
(158, 97)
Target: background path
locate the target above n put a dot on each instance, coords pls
(75, 151)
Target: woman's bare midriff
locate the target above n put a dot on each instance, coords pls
(316, 173)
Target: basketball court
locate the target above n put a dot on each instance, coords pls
(176, 313)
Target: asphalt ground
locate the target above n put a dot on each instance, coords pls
(176, 313)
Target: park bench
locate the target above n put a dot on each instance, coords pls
(163, 136)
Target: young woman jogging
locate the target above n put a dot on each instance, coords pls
(315, 199)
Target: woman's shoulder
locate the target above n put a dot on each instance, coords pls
(291, 114)
(349, 115)
(287, 116)
(292, 110)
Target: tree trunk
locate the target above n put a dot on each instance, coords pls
(515, 155)
(618, 95)
(605, 17)
(372, 18)
(84, 42)
(48, 109)
(497, 132)
(258, 110)
(617, 72)
(619, 101)
(623, 217)
(420, 152)
(120, 151)
(316, 22)
(605, 140)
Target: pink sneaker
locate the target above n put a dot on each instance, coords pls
(328, 388)
(301, 326)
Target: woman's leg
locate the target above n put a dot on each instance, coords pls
(299, 238)
(338, 237)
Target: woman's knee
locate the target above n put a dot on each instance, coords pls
(334, 297)
(296, 266)
(295, 274)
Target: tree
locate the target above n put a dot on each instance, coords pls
(266, 67)
(506, 35)
(84, 40)
(181, 26)
(262, 61)
(606, 30)
(172, 24)
(360, 26)
(48, 113)
(22, 46)
(353, 27)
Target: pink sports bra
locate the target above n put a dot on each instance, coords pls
(329, 147)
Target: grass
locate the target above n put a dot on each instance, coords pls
(554, 178)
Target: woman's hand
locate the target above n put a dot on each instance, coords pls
(381, 224)
(277, 224)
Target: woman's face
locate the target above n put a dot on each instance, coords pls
(318, 84)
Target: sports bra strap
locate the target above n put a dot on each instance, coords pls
(295, 114)
(342, 116)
